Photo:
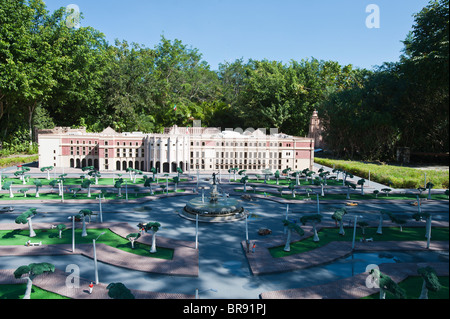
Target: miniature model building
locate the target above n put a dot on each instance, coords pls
(188, 148)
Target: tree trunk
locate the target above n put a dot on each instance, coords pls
(30, 227)
(382, 293)
(287, 247)
(380, 225)
(316, 237)
(29, 286)
(83, 232)
(424, 292)
(153, 248)
(341, 228)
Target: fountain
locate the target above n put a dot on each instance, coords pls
(215, 209)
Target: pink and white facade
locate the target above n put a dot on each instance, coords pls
(190, 148)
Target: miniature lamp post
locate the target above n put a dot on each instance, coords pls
(95, 258)
(196, 231)
(100, 211)
(354, 232)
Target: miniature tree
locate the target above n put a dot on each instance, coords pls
(386, 284)
(322, 183)
(119, 291)
(346, 174)
(53, 183)
(32, 271)
(362, 224)
(244, 181)
(118, 185)
(179, 171)
(397, 219)
(380, 225)
(96, 174)
(176, 180)
(386, 191)
(47, 169)
(75, 191)
(349, 185)
(132, 238)
(280, 190)
(24, 191)
(292, 188)
(154, 171)
(338, 216)
(446, 193)
(361, 183)
(308, 190)
(421, 189)
(82, 215)
(376, 192)
(25, 218)
(8, 186)
(153, 227)
(266, 174)
(430, 185)
(277, 176)
(60, 229)
(314, 219)
(87, 184)
(291, 227)
(148, 183)
(430, 281)
(427, 216)
(38, 184)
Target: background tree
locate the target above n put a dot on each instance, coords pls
(25, 218)
(430, 281)
(291, 227)
(119, 291)
(32, 271)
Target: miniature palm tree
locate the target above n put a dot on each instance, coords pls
(421, 189)
(427, 216)
(119, 291)
(430, 281)
(291, 227)
(8, 186)
(118, 185)
(292, 188)
(376, 192)
(47, 169)
(87, 184)
(397, 219)
(38, 184)
(132, 238)
(244, 181)
(75, 191)
(82, 215)
(380, 225)
(179, 171)
(346, 174)
(148, 183)
(60, 229)
(24, 191)
(280, 190)
(53, 183)
(386, 284)
(308, 190)
(277, 176)
(386, 191)
(361, 182)
(153, 227)
(32, 271)
(349, 185)
(338, 216)
(430, 185)
(176, 180)
(314, 219)
(25, 218)
(96, 174)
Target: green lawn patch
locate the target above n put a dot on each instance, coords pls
(328, 235)
(17, 291)
(413, 287)
(50, 237)
(81, 195)
(401, 177)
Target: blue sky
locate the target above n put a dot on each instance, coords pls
(281, 30)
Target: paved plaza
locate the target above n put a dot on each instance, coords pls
(221, 267)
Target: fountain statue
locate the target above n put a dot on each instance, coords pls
(217, 209)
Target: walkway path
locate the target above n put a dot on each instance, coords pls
(355, 287)
(184, 262)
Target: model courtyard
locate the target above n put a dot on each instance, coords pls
(220, 235)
